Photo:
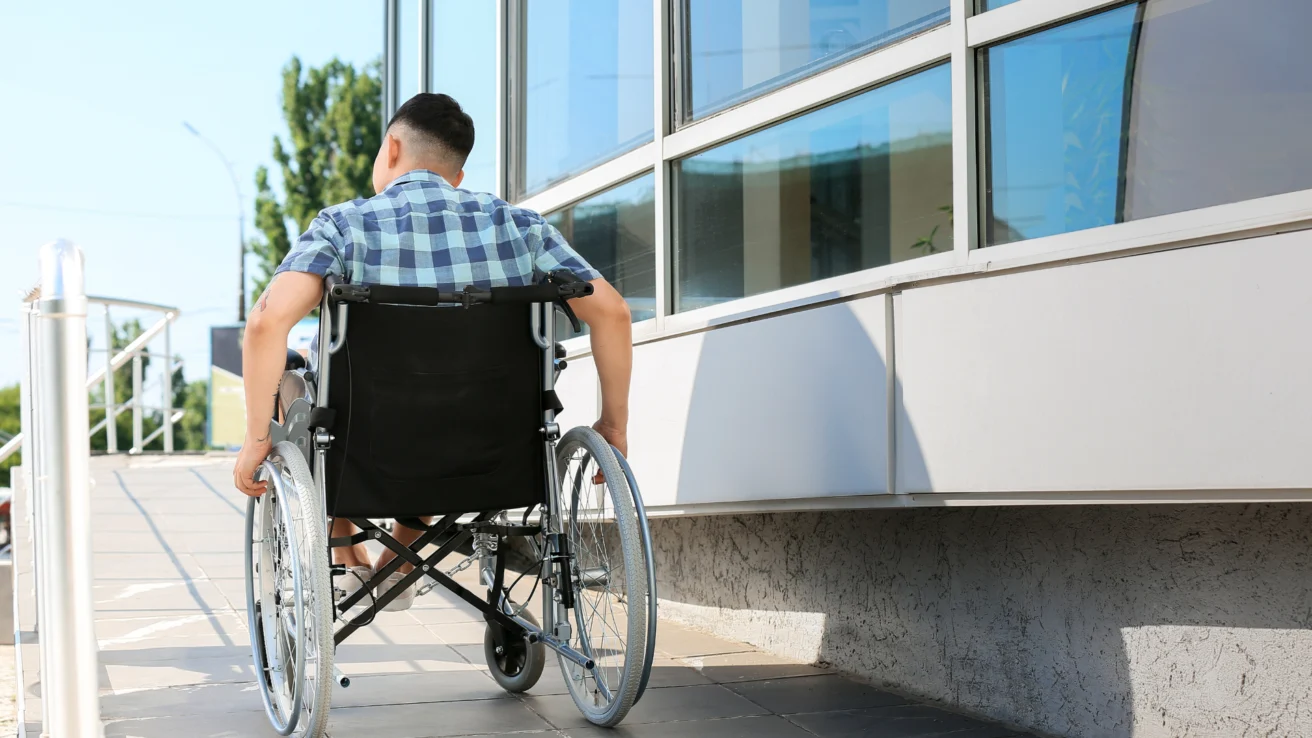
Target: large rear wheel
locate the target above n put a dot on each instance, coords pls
(609, 578)
(289, 596)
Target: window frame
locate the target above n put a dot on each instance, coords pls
(960, 42)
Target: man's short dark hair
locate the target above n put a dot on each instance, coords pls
(440, 121)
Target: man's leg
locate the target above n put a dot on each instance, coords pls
(349, 556)
(405, 536)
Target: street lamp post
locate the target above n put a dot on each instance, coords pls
(241, 222)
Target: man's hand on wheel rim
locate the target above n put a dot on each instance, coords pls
(252, 454)
(616, 436)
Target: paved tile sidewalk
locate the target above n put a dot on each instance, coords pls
(171, 618)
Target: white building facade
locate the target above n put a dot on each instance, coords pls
(970, 347)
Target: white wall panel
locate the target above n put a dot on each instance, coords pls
(577, 387)
(1180, 370)
(789, 407)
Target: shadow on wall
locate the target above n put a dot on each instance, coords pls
(1075, 621)
(763, 423)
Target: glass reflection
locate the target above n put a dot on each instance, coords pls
(860, 184)
(1151, 108)
(740, 48)
(588, 86)
(616, 232)
(463, 64)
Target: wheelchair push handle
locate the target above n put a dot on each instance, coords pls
(558, 287)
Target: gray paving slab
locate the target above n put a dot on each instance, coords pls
(701, 702)
(665, 672)
(182, 672)
(427, 687)
(111, 567)
(497, 717)
(191, 700)
(749, 666)
(221, 725)
(902, 721)
(175, 656)
(755, 726)
(822, 693)
(679, 642)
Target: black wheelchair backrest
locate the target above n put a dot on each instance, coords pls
(435, 410)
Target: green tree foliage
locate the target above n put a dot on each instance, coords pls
(9, 425)
(189, 433)
(333, 116)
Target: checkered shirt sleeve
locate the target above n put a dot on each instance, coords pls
(551, 252)
(318, 251)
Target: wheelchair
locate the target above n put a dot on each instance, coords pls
(439, 406)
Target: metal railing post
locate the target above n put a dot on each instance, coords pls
(166, 414)
(111, 427)
(70, 681)
(25, 399)
(31, 450)
(136, 403)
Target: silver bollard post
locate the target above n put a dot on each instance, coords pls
(70, 684)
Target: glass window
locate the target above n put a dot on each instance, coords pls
(464, 66)
(588, 86)
(859, 184)
(616, 232)
(1152, 108)
(995, 4)
(407, 51)
(740, 48)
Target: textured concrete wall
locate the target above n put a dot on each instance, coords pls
(1072, 621)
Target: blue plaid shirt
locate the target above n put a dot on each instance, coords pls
(422, 232)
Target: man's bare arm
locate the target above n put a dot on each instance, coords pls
(607, 315)
(289, 297)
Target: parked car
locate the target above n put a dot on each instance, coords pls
(6, 528)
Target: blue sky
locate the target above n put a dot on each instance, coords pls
(92, 146)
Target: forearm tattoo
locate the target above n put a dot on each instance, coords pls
(263, 303)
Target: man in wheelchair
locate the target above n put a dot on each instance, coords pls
(430, 401)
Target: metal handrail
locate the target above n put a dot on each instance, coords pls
(137, 304)
(56, 473)
(133, 352)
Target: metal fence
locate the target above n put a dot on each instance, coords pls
(138, 354)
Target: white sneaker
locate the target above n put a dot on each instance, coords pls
(354, 578)
(403, 600)
(352, 581)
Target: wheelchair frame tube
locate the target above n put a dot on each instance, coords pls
(551, 610)
(320, 455)
(325, 344)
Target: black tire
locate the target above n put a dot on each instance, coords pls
(519, 669)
